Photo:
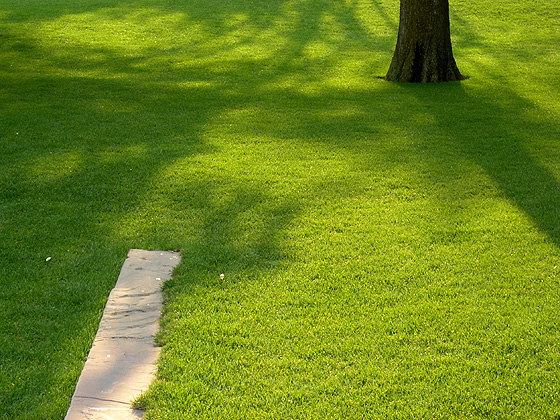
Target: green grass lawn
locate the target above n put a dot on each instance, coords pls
(390, 251)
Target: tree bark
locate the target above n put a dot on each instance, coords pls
(423, 53)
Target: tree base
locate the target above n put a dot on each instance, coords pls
(416, 66)
(423, 53)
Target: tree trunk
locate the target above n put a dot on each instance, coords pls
(423, 53)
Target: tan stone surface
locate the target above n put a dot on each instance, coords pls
(121, 362)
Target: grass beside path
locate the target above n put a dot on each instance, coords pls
(389, 251)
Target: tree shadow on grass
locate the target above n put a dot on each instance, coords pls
(84, 179)
(505, 135)
(84, 151)
(90, 133)
(504, 153)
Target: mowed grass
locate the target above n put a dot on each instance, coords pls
(388, 251)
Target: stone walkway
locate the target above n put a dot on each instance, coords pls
(120, 365)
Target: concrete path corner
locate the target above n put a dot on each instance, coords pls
(121, 363)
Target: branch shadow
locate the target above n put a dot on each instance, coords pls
(501, 147)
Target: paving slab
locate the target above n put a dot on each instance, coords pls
(121, 363)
